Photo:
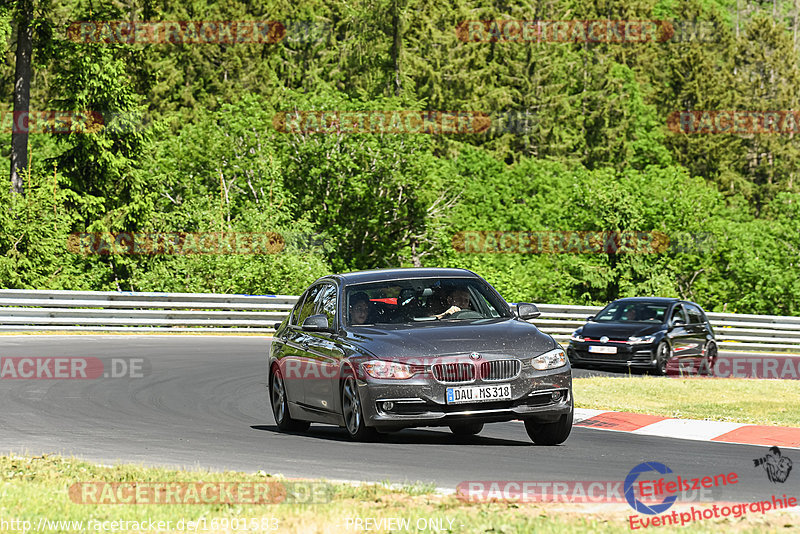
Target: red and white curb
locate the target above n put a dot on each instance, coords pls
(667, 427)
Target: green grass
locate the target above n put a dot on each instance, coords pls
(765, 402)
(33, 488)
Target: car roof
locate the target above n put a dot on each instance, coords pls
(382, 275)
(664, 300)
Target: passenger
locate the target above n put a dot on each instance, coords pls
(458, 299)
(630, 314)
(360, 307)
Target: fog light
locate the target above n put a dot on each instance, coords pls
(556, 396)
(387, 406)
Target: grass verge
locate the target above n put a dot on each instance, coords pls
(37, 488)
(743, 400)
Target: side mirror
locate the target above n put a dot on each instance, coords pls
(590, 318)
(277, 325)
(527, 311)
(678, 322)
(316, 323)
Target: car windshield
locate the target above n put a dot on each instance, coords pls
(633, 312)
(420, 301)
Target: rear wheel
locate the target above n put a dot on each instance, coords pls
(710, 358)
(550, 433)
(353, 412)
(663, 354)
(466, 429)
(280, 405)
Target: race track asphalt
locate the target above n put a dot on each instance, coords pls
(203, 403)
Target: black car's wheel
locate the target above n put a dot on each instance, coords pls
(353, 413)
(280, 404)
(710, 358)
(550, 433)
(571, 357)
(663, 355)
(466, 429)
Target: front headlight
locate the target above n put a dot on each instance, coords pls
(634, 340)
(576, 336)
(384, 369)
(550, 360)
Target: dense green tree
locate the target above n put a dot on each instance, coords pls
(579, 140)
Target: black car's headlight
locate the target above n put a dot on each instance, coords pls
(635, 340)
(393, 370)
(550, 360)
(576, 336)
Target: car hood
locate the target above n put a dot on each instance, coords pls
(492, 336)
(596, 330)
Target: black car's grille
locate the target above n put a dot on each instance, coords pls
(500, 369)
(454, 372)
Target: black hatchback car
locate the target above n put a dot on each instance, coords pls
(385, 350)
(657, 333)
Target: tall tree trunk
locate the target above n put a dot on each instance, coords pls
(22, 95)
(396, 45)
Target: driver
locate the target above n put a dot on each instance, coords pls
(359, 308)
(457, 299)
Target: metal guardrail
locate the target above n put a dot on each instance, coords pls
(110, 311)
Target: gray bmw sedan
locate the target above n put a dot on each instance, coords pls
(378, 351)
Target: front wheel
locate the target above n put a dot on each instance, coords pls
(663, 355)
(280, 405)
(353, 413)
(550, 433)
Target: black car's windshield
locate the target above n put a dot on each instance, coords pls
(420, 301)
(622, 311)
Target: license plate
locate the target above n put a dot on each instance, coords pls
(602, 350)
(465, 394)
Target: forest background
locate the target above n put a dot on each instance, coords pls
(579, 141)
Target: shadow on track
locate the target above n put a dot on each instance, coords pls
(609, 371)
(409, 436)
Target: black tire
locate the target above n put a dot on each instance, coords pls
(280, 405)
(466, 429)
(710, 358)
(571, 359)
(550, 433)
(353, 414)
(663, 355)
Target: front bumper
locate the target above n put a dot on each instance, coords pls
(421, 401)
(628, 355)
